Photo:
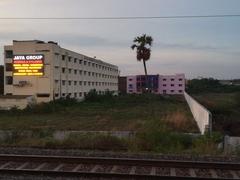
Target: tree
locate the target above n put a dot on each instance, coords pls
(143, 44)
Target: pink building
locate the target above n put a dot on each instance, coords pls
(159, 84)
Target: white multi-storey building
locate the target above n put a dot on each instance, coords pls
(46, 71)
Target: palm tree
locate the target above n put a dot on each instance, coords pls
(143, 49)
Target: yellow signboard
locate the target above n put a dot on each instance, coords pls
(28, 65)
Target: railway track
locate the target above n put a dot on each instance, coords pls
(119, 168)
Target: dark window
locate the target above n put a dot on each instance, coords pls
(172, 79)
(85, 72)
(9, 80)
(80, 83)
(80, 72)
(63, 94)
(172, 85)
(69, 70)
(164, 85)
(85, 83)
(9, 66)
(130, 79)
(80, 94)
(69, 59)
(164, 91)
(43, 95)
(63, 57)
(164, 79)
(89, 63)
(180, 85)
(180, 79)
(75, 95)
(63, 70)
(80, 61)
(56, 95)
(75, 83)
(75, 60)
(63, 82)
(89, 83)
(8, 54)
(75, 71)
(89, 73)
(84, 62)
(130, 86)
(69, 83)
(172, 90)
(180, 91)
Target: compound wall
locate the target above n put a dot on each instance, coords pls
(201, 115)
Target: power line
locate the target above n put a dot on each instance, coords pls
(122, 18)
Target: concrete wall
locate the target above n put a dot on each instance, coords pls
(201, 115)
(231, 143)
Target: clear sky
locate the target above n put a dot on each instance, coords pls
(207, 47)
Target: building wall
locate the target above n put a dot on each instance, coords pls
(171, 84)
(66, 73)
(131, 84)
(122, 85)
(1, 80)
(159, 84)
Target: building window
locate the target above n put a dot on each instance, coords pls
(89, 73)
(63, 82)
(172, 91)
(9, 80)
(43, 95)
(92, 64)
(63, 94)
(80, 61)
(85, 93)
(75, 83)
(85, 83)
(89, 83)
(130, 79)
(75, 95)
(180, 91)
(80, 72)
(56, 95)
(130, 86)
(180, 79)
(164, 91)
(80, 94)
(92, 83)
(172, 85)
(89, 64)
(164, 79)
(9, 66)
(164, 85)
(80, 83)
(69, 83)
(69, 59)
(180, 85)
(172, 79)
(8, 54)
(75, 71)
(75, 60)
(63, 70)
(85, 62)
(69, 71)
(92, 73)
(85, 72)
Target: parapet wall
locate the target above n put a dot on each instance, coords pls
(201, 115)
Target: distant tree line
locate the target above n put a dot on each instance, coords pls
(209, 85)
(1, 79)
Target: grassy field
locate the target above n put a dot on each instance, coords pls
(157, 120)
(128, 113)
(225, 108)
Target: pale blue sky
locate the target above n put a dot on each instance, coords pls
(196, 47)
